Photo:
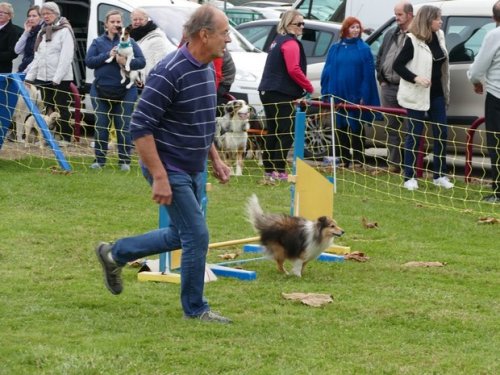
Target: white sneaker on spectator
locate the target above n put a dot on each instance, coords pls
(96, 166)
(125, 167)
(411, 184)
(443, 182)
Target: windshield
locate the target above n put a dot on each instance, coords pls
(172, 19)
(323, 10)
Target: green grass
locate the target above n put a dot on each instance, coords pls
(56, 316)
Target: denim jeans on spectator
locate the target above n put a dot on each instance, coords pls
(437, 119)
(119, 113)
(187, 229)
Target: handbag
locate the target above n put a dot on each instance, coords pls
(111, 92)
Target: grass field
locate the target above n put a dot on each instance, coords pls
(56, 316)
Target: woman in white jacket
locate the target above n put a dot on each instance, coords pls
(150, 38)
(425, 87)
(51, 68)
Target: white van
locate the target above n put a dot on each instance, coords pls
(87, 19)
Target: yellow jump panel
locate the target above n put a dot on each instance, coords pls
(160, 277)
(313, 192)
(314, 197)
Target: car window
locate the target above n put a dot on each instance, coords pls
(103, 9)
(464, 36)
(239, 16)
(377, 41)
(316, 43)
(324, 41)
(257, 35)
(322, 10)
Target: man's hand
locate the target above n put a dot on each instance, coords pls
(161, 191)
(478, 88)
(220, 170)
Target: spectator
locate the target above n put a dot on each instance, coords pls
(349, 75)
(51, 68)
(425, 87)
(26, 43)
(9, 34)
(283, 81)
(389, 80)
(112, 101)
(226, 78)
(173, 129)
(486, 68)
(150, 38)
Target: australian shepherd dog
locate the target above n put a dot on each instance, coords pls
(231, 133)
(291, 237)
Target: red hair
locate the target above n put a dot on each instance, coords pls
(348, 22)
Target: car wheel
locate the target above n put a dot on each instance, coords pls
(318, 138)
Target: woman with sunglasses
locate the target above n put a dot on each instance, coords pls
(283, 81)
(349, 77)
(425, 87)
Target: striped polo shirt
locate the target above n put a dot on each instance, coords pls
(177, 107)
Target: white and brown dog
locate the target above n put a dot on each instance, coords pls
(30, 124)
(231, 135)
(21, 112)
(292, 237)
(125, 48)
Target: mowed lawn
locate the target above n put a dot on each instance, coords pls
(56, 316)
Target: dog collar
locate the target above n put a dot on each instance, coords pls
(125, 44)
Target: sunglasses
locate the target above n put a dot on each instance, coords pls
(299, 24)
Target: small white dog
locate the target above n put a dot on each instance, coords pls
(31, 123)
(21, 112)
(125, 49)
(231, 133)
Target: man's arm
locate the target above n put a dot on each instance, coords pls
(161, 190)
(221, 170)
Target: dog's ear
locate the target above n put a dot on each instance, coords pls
(119, 29)
(324, 222)
(128, 29)
(229, 107)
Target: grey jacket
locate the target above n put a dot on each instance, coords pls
(385, 60)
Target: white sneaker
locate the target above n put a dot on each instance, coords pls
(411, 184)
(443, 182)
(125, 167)
(96, 166)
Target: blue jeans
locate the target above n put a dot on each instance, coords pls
(119, 113)
(187, 230)
(437, 116)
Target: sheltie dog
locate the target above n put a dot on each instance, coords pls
(231, 135)
(292, 237)
(125, 48)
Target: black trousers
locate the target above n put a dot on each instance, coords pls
(492, 124)
(58, 98)
(279, 110)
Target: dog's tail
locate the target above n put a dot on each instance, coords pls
(255, 214)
